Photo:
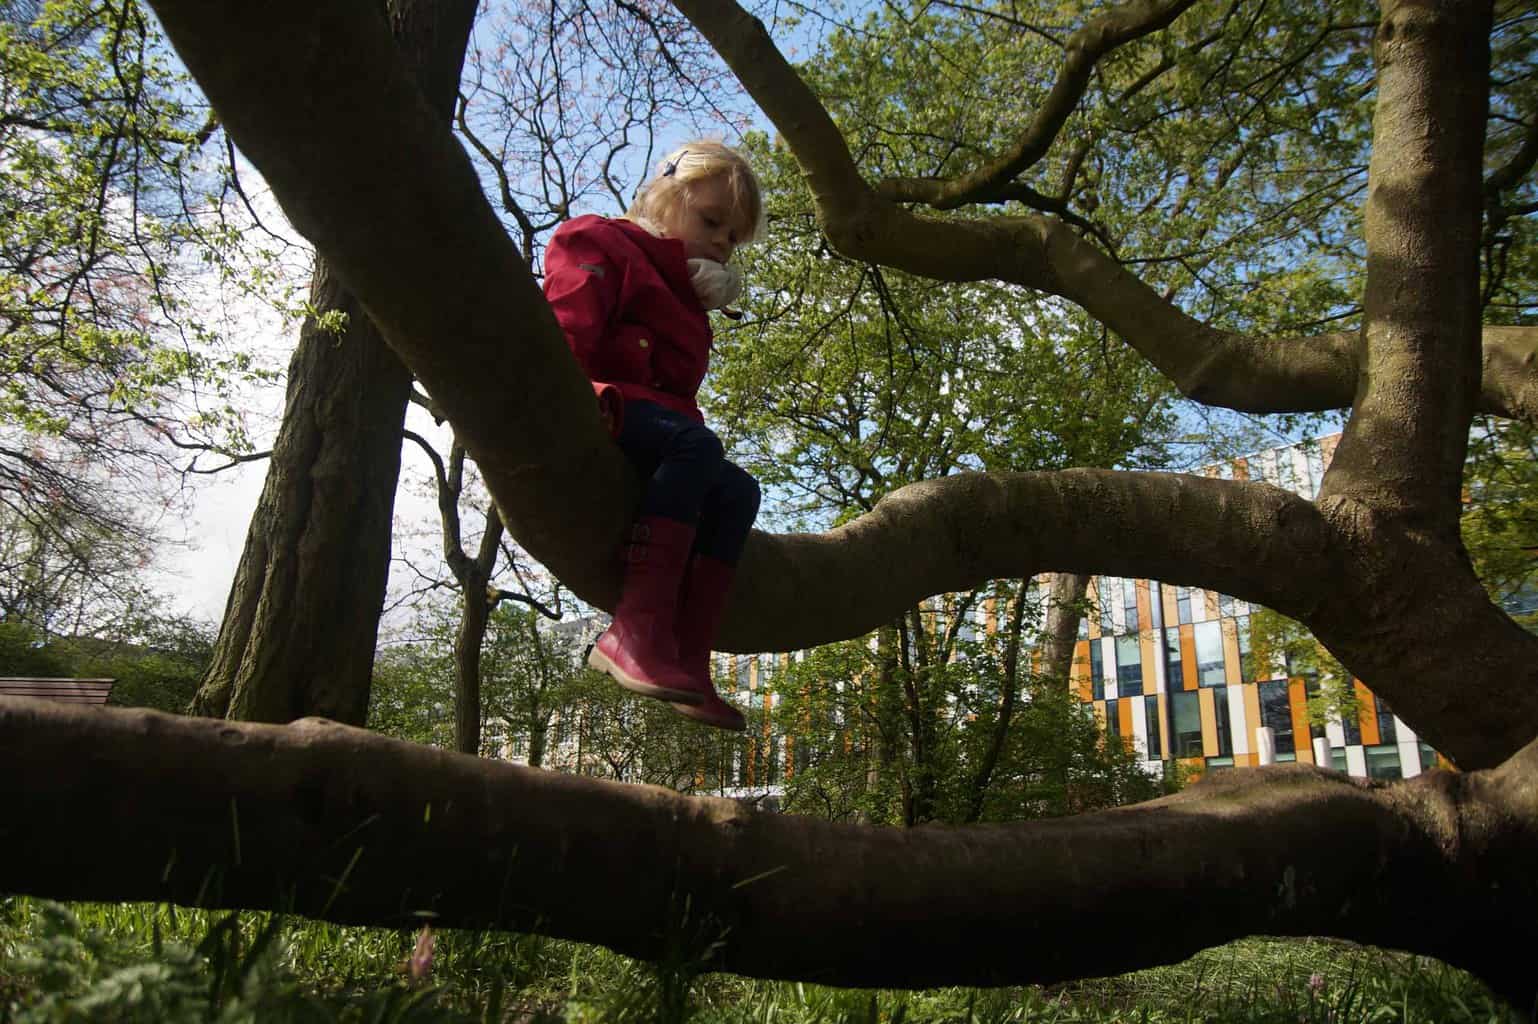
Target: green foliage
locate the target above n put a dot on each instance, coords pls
(1332, 692)
(156, 666)
(1500, 517)
(137, 963)
(848, 381)
(113, 221)
(885, 739)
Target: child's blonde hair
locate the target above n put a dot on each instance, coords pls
(657, 201)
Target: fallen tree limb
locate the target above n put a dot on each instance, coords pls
(337, 823)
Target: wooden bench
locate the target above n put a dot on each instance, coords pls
(71, 691)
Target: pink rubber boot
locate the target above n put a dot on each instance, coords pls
(703, 599)
(640, 649)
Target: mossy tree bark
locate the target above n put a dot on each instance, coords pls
(302, 618)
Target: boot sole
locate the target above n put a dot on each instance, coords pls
(734, 723)
(596, 659)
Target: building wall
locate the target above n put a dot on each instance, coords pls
(1171, 669)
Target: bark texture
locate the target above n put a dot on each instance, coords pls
(302, 618)
(328, 821)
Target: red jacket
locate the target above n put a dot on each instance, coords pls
(631, 317)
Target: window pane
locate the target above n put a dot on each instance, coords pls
(1155, 727)
(1187, 715)
(1387, 733)
(1096, 670)
(1225, 724)
(1129, 605)
(1112, 721)
(1183, 603)
(1209, 654)
(1173, 674)
(1276, 714)
(1129, 667)
(1383, 762)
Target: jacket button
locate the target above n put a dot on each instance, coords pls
(643, 343)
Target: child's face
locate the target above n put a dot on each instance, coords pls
(709, 224)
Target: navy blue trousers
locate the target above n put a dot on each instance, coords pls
(689, 479)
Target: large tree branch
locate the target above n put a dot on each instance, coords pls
(343, 133)
(1403, 448)
(1102, 34)
(337, 823)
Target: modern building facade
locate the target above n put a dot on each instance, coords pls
(1175, 673)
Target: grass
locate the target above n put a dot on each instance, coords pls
(142, 963)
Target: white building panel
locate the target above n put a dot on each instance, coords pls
(1140, 727)
(1238, 728)
(1356, 761)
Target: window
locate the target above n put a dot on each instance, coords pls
(1173, 674)
(1183, 604)
(1155, 727)
(1383, 762)
(1224, 723)
(1226, 606)
(1428, 757)
(1352, 725)
(1249, 666)
(1311, 693)
(1112, 722)
(1129, 667)
(1187, 715)
(1155, 605)
(1387, 733)
(1209, 654)
(1214, 763)
(1276, 715)
(1338, 758)
(1107, 618)
(1129, 604)
(1096, 670)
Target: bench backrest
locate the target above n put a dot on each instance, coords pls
(72, 691)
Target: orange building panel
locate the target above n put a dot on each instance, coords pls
(1124, 719)
(1209, 708)
(1144, 603)
(1171, 608)
(1297, 700)
(1092, 601)
(1367, 714)
(1149, 652)
(1078, 672)
(1231, 665)
(1252, 711)
(1246, 760)
(1210, 602)
(1188, 657)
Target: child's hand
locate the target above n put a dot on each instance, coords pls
(717, 284)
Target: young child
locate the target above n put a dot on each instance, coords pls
(631, 295)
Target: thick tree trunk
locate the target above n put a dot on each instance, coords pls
(299, 627)
(333, 822)
(302, 618)
(1060, 630)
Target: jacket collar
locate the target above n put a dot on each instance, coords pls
(666, 254)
